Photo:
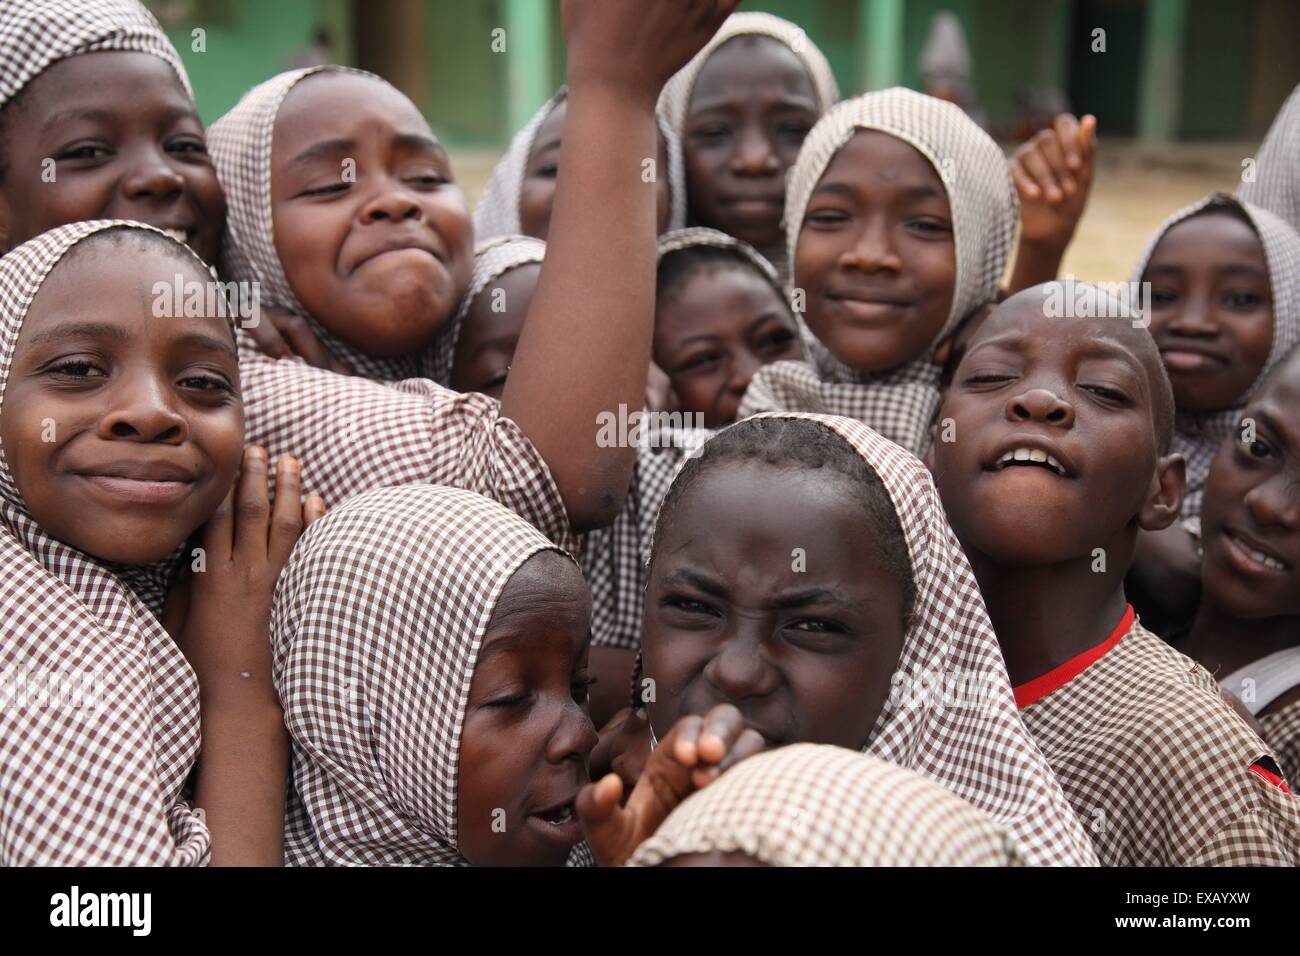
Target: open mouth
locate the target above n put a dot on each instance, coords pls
(558, 824)
(1030, 457)
(1254, 554)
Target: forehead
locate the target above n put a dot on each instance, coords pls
(745, 519)
(716, 291)
(334, 105)
(110, 79)
(742, 63)
(517, 286)
(548, 131)
(1218, 235)
(1021, 325)
(547, 594)
(872, 159)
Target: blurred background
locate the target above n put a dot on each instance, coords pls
(1183, 90)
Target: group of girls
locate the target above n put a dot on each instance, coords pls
(355, 579)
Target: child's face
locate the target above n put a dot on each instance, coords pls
(537, 192)
(373, 233)
(752, 105)
(123, 431)
(714, 332)
(490, 331)
(1211, 309)
(126, 144)
(875, 255)
(527, 735)
(765, 592)
(1250, 519)
(1077, 390)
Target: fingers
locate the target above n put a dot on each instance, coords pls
(603, 821)
(302, 339)
(286, 512)
(748, 743)
(268, 337)
(706, 739)
(252, 507)
(1067, 139)
(219, 532)
(1036, 165)
(312, 509)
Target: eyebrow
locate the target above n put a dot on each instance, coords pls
(75, 113)
(793, 599)
(706, 584)
(325, 149)
(788, 101)
(84, 330)
(1272, 423)
(208, 343)
(419, 141)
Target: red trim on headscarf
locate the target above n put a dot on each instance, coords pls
(1035, 690)
(1265, 774)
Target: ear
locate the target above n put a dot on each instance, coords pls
(1164, 501)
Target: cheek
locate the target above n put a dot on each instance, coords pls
(535, 207)
(307, 240)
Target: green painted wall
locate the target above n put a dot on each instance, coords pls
(1214, 99)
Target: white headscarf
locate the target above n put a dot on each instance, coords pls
(899, 403)
(95, 780)
(1277, 167)
(497, 212)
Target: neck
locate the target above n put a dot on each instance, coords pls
(1221, 643)
(1048, 614)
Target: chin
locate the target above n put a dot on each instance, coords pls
(1019, 539)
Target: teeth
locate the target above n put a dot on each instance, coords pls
(180, 235)
(1260, 556)
(1033, 455)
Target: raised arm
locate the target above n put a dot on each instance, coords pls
(585, 347)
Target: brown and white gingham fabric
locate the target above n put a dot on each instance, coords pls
(37, 33)
(497, 212)
(1198, 435)
(970, 741)
(1277, 165)
(378, 621)
(90, 780)
(240, 144)
(613, 558)
(675, 100)
(899, 403)
(1282, 733)
(817, 805)
(493, 258)
(350, 433)
(1156, 764)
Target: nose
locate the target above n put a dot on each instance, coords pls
(873, 250)
(741, 370)
(141, 410)
(1194, 318)
(738, 671)
(1040, 405)
(574, 736)
(754, 155)
(1276, 502)
(394, 204)
(153, 178)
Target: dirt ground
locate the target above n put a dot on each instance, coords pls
(1136, 188)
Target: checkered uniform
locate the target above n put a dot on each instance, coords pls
(900, 403)
(92, 778)
(1157, 765)
(817, 805)
(378, 620)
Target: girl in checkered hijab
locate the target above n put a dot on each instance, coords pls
(121, 431)
(1225, 311)
(518, 198)
(816, 805)
(803, 570)
(742, 108)
(103, 71)
(899, 217)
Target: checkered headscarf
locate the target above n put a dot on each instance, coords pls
(696, 236)
(497, 212)
(900, 403)
(95, 783)
(675, 99)
(378, 620)
(817, 805)
(971, 740)
(1277, 167)
(240, 143)
(1197, 436)
(36, 33)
